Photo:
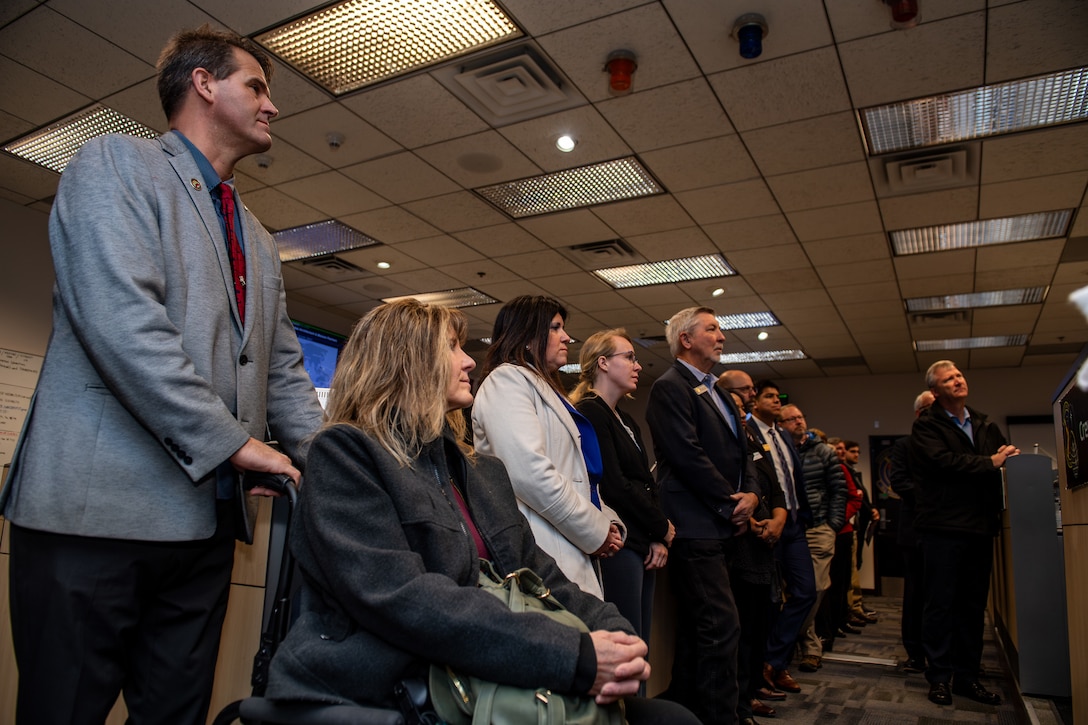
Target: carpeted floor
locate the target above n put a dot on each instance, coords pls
(861, 682)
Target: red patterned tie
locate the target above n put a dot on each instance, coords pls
(237, 258)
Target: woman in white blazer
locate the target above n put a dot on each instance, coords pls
(522, 416)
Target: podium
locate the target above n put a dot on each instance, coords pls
(1038, 564)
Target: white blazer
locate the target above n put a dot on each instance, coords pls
(520, 419)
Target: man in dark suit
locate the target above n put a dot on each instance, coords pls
(701, 466)
(171, 360)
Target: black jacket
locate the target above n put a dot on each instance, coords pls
(958, 488)
(626, 484)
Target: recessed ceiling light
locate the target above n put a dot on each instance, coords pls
(995, 298)
(461, 297)
(565, 144)
(573, 188)
(357, 43)
(970, 343)
(55, 145)
(718, 292)
(747, 320)
(671, 270)
(763, 335)
(316, 240)
(1023, 228)
(384, 265)
(1046, 100)
(736, 358)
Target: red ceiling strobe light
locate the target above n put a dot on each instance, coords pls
(620, 66)
(904, 13)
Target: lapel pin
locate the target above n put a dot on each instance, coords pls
(196, 184)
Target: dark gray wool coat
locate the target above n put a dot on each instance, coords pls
(390, 578)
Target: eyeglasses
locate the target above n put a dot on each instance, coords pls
(791, 419)
(630, 355)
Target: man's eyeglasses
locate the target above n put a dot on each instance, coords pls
(791, 419)
(630, 355)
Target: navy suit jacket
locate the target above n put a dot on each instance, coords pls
(701, 462)
(804, 513)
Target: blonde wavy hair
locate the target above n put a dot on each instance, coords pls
(596, 345)
(393, 376)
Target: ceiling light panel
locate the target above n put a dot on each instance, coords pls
(970, 343)
(55, 145)
(317, 240)
(995, 298)
(737, 358)
(573, 188)
(1023, 228)
(1046, 100)
(747, 320)
(671, 270)
(357, 43)
(461, 297)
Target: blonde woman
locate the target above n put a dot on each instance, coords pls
(522, 416)
(609, 372)
(392, 520)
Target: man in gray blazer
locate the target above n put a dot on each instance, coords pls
(165, 371)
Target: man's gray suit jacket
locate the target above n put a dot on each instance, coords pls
(149, 380)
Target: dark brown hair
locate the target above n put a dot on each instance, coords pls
(520, 336)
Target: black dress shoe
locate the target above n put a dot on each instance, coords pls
(940, 693)
(749, 721)
(849, 629)
(977, 692)
(914, 665)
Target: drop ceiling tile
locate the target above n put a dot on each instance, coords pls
(941, 283)
(1014, 256)
(367, 258)
(646, 31)
(596, 139)
(861, 293)
(1080, 223)
(539, 18)
(715, 161)
(424, 280)
(769, 259)
(808, 144)
(689, 242)
(566, 284)
(657, 295)
(998, 357)
(481, 273)
(249, 16)
(735, 292)
(792, 280)
(597, 301)
(503, 292)
(479, 160)
(129, 25)
(308, 131)
(538, 264)
(836, 221)
(799, 317)
(1061, 191)
(566, 228)
(332, 193)
(941, 55)
(141, 103)
(500, 239)
(875, 309)
(937, 207)
(848, 249)
(1072, 273)
(439, 251)
(1022, 276)
(33, 98)
(852, 19)
(332, 294)
(391, 225)
(644, 216)
(782, 297)
(51, 44)
(826, 327)
(667, 116)
(277, 210)
(287, 163)
(794, 26)
(748, 233)
(1018, 315)
(401, 177)
(861, 327)
(728, 202)
(10, 126)
(786, 369)
(1036, 37)
(456, 212)
(849, 272)
(779, 91)
(30, 179)
(14, 8)
(291, 93)
(14, 197)
(406, 111)
(1037, 153)
(829, 186)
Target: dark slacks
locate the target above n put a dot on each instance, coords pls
(795, 562)
(94, 617)
(957, 581)
(641, 711)
(754, 608)
(704, 671)
(914, 600)
(630, 587)
(834, 609)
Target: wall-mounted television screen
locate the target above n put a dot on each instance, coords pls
(320, 350)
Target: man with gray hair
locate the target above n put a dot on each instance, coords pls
(706, 492)
(956, 456)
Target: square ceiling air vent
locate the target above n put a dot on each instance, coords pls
(939, 319)
(608, 253)
(511, 85)
(916, 173)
